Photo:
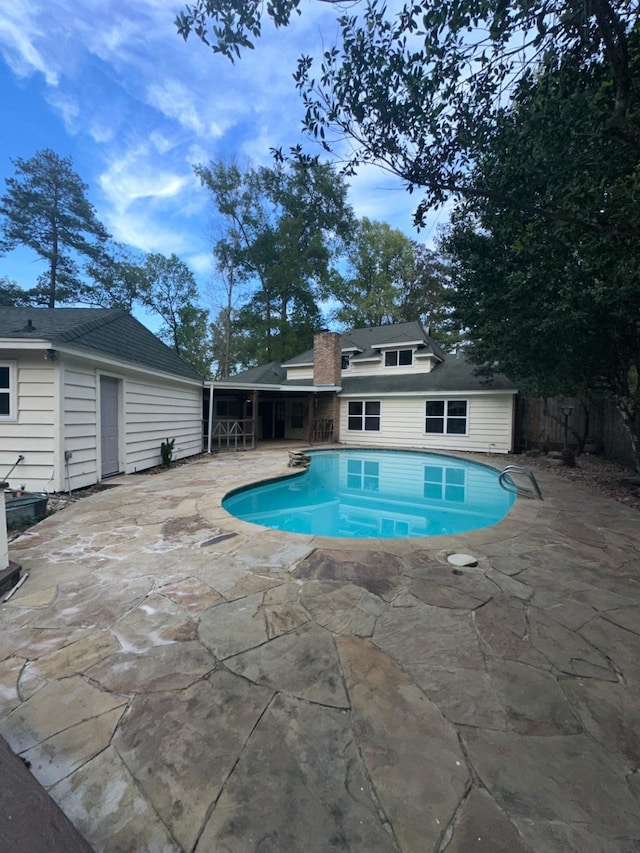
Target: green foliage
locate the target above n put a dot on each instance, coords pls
(166, 452)
(11, 295)
(194, 340)
(555, 299)
(418, 89)
(391, 279)
(119, 278)
(46, 209)
(282, 230)
(170, 291)
(380, 263)
(428, 296)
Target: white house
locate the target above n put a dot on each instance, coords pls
(86, 393)
(388, 386)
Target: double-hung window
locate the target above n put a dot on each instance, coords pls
(398, 358)
(7, 391)
(364, 415)
(448, 417)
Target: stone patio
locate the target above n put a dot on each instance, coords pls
(182, 681)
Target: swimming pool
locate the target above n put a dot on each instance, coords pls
(377, 493)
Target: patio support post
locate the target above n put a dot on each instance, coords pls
(311, 410)
(210, 418)
(254, 416)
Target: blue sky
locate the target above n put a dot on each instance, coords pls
(111, 84)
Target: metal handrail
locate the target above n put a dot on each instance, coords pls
(506, 481)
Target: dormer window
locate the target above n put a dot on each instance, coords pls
(345, 362)
(398, 358)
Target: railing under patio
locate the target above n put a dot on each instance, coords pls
(232, 433)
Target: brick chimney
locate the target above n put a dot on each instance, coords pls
(327, 358)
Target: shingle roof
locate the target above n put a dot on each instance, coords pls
(104, 331)
(272, 373)
(451, 373)
(365, 341)
(454, 375)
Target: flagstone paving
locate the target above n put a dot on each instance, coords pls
(182, 681)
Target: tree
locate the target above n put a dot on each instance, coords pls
(555, 303)
(46, 209)
(11, 295)
(428, 295)
(392, 279)
(380, 264)
(284, 229)
(233, 222)
(119, 278)
(194, 337)
(418, 92)
(171, 292)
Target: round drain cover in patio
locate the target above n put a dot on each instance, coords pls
(462, 560)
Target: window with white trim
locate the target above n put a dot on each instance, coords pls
(364, 415)
(7, 391)
(398, 358)
(448, 417)
(345, 362)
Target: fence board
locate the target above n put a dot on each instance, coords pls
(540, 425)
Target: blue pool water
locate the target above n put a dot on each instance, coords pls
(387, 493)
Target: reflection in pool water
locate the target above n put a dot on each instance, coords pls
(388, 494)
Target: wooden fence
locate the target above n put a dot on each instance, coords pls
(540, 424)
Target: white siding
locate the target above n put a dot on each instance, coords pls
(402, 424)
(377, 368)
(295, 373)
(79, 433)
(58, 411)
(155, 412)
(32, 434)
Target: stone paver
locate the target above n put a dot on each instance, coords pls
(180, 680)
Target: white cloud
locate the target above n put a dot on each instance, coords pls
(67, 106)
(141, 107)
(174, 100)
(382, 197)
(136, 176)
(160, 142)
(201, 263)
(100, 129)
(17, 37)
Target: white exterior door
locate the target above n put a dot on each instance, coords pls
(109, 420)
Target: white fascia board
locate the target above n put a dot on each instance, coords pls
(102, 361)
(93, 356)
(399, 344)
(297, 364)
(245, 388)
(438, 395)
(426, 354)
(22, 344)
